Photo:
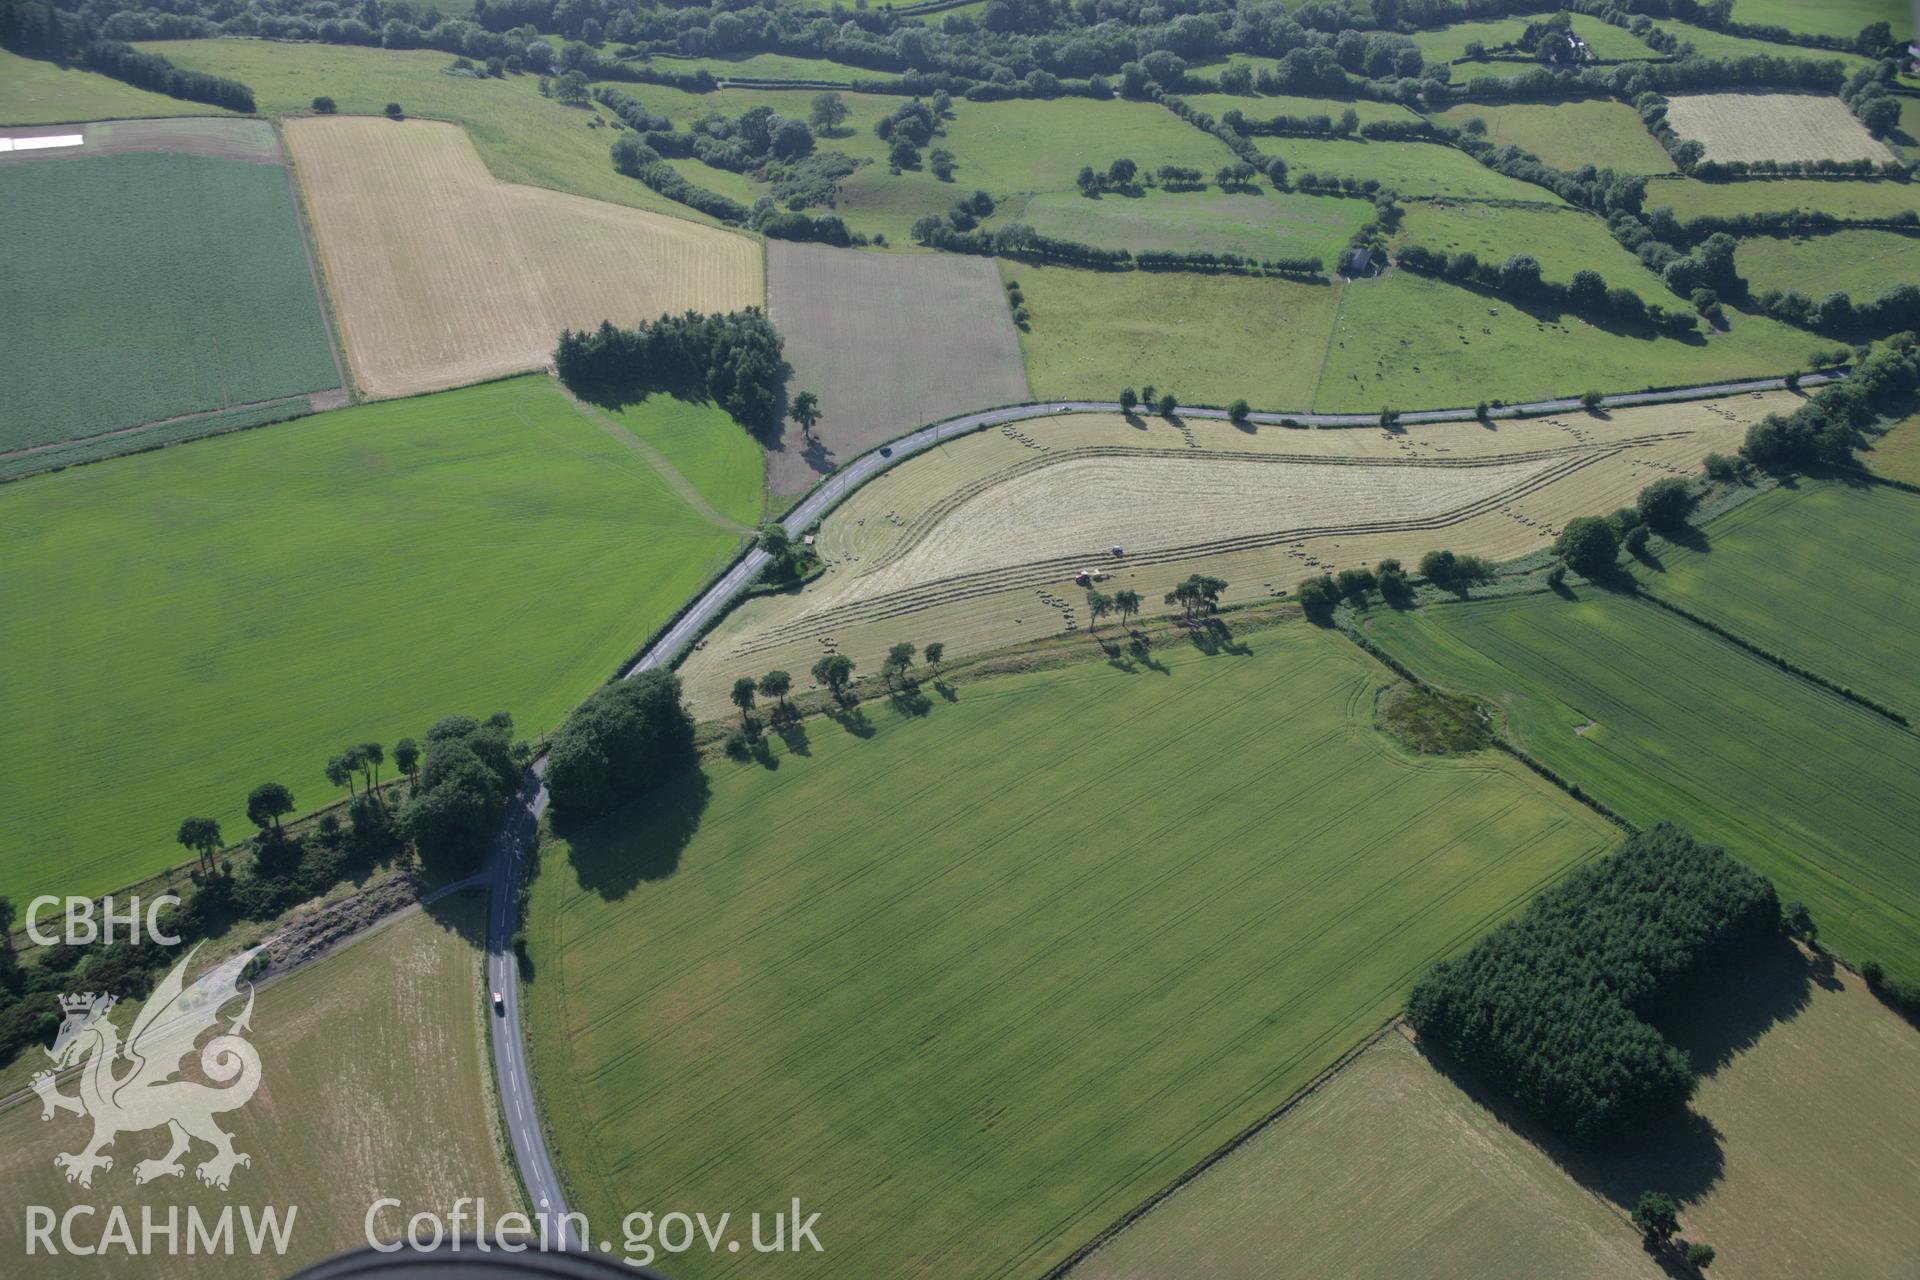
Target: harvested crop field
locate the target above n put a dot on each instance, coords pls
(1795, 1159)
(444, 276)
(973, 982)
(144, 287)
(1388, 1171)
(976, 542)
(1773, 126)
(888, 342)
(373, 1083)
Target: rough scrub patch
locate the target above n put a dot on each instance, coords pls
(888, 343)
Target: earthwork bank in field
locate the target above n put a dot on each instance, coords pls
(372, 1082)
(443, 275)
(888, 343)
(155, 271)
(974, 977)
(976, 543)
(197, 621)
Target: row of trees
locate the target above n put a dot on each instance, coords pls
(1827, 428)
(734, 359)
(1545, 1007)
(636, 159)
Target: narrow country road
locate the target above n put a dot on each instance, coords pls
(513, 845)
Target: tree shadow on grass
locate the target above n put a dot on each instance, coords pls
(853, 718)
(793, 735)
(909, 701)
(639, 842)
(1213, 636)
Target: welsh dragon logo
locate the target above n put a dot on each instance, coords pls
(148, 1096)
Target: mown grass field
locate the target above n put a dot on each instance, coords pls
(1209, 339)
(374, 1082)
(141, 287)
(522, 136)
(1815, 792)
(1388, 1172)
(1773, 126)
(974, 982)
(1843, 199)
(1860, 263)
(1563, 240)
(443, 275)
(1795, 1161)
(704, 446)
(888, 343)
(37, 92)
(1260, 223)
(1827, 575)
(1408, 341)
(199, 620)
(1567, 135)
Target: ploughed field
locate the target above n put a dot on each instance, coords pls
(975, 976)
(977, 542)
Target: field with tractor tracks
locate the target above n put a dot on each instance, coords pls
(975, 970)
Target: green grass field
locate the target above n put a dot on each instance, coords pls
(1411, 168)
(374, 1081)
(36, 92)
(1567, 135)
(1265, 107)
(722, 462)
(1843, 199)
(772, 66)
(522, 136)
(1897, 453)
(1411, 341)
(142, 287)
(976, 984)
(1447, 43)
(1798, 783)
(1828, 17)
(1824, 574)
(1209, 339)
(202, 619)
(1564, 240)
(1860, 263)
(1262, 223)
(1718, 44)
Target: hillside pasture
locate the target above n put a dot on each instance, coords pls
(143, 287)
(1410, 168)
(1562, 240)
(974, 1022)
(374, 1081)
(1210, 339)
(36, 92)
(1257, 222)
(977, 541)
(888, 343)
(1662, 720)
(200, 620)
(1859, 263)
(1830, 17)
(444, 276)
(1444, 44)
(1773, 126)
(1825, 574)
(1567, 135)
(1407, 341)
(521, 136)
(1265, 106)
(1842, 198)
(1709, 43)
